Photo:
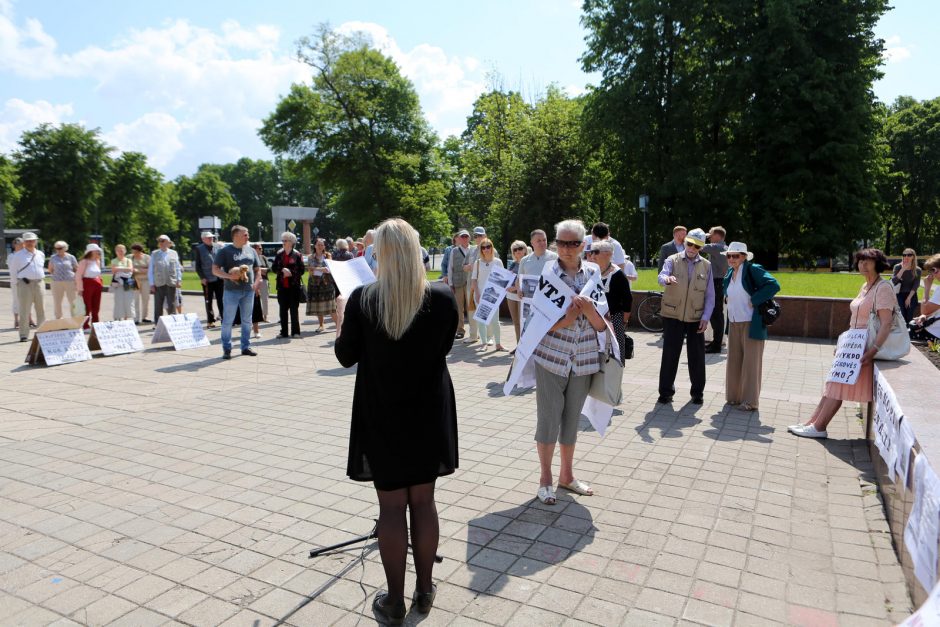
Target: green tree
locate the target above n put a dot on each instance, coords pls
(203, 194)
(911, 182)
(130, 190)
(358, 129)
(61, 170)
(9, 189)
(155, 218)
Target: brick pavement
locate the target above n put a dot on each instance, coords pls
(174, 488)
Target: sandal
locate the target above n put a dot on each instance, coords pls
(578, 487)
(390, 614)
(747, 407)
(546, 494)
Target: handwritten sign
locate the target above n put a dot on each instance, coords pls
(63, 347)
(184, 330)
(494, 291)
(848, 359)
(886, 422)
(115, 337)
(921, 532)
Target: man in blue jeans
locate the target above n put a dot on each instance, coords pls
(239, 289)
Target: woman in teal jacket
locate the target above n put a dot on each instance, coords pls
(746, 286)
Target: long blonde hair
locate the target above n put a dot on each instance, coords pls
(400, 281)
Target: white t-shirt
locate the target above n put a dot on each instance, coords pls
(481, 271)
(934, 329)
(740, 308)
(618, 257)
(630, 270)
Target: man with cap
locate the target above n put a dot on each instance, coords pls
(687, 306)
(27, 275)
(673, 246)
(457, 277)
(715, 249)
(165, 274)
(212, 285)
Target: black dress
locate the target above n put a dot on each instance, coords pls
(620, 301)
(404, 416)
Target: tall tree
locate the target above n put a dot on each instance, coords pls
(130, 189)
(9, 188)
(61, 170)
(358, 128)
(203, 194)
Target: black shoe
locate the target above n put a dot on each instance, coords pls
(697, 400)
(387, 612)
(713, 349)
(147, 320)
(226, 354)
(459, 335)
(295, 334)
(424, 600)
(23, 339)
(281, 336)
(249, 352)
(664, 400)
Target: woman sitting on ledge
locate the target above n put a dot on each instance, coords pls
(875, 294)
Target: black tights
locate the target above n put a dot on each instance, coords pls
(393, 536)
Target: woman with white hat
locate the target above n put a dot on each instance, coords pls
(88, 281)
(746, 285)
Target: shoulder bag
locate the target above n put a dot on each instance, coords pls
(606, 383)
(770, 309)
(898, 343)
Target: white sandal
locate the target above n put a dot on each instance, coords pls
(546, 494)
(578, 487)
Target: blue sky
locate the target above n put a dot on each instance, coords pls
(190, 82)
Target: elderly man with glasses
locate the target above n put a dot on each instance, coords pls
(687, 307)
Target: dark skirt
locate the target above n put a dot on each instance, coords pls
(321, 295)
(256, 314)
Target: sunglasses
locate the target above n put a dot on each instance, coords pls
(590, 252)
(734, 256)
(568, 243)
(485, 247)
(464, 236)
(691, 245)
(518, 250)
(907, 255)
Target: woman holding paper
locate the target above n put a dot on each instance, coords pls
(288, 267)
(122, 284)
(876, 295)
(403, 434)
(565, 359)
(513, 299)
(321, 292)
(482, 267)
(619, 296)
(342, 254)
(88, 281)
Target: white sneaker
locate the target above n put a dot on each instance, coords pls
(810, 431)
(491, 343)
(256, 335)
(796, 427)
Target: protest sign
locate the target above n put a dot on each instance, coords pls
(349, 275)
(183, 330)
(921, 532)
(848, 359)
(494, 291)
(886, 422)
(63, 347)
(115, 337)
(905, 444)
(928, 614)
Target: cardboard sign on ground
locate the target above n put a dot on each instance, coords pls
(115, 337)
(183, 330)
(58, 342)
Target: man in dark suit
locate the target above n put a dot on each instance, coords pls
(714, 249)
(676, 245)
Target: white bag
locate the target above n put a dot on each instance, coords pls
(898, 343)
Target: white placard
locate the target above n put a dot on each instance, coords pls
(184, 330)
(848, 359)
(63, 347)
(886, 422)
(528, 284)
(494, 291)
(928, 614)
(349, 275)
(921, 532)
(905, 444)
(117, 337)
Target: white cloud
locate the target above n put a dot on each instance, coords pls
(894, 51)
(447, 84)
(157, 135)
(17, 116)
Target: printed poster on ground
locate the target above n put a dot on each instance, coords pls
(886, 422)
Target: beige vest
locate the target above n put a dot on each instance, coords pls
(685, 300)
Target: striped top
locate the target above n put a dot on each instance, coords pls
(574, 349)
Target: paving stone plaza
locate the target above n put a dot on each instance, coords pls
(171, 487)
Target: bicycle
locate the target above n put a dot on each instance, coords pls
(647, 312)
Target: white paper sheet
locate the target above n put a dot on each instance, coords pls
(928, 614)
(494, 291)
(905, 444)
(848, 360)
(886, 422)
(183, 330)
(63, 347)
(349, 275)
(921, 532)
(117, 337)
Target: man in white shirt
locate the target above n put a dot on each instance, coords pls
(27, 274)
(600, 232)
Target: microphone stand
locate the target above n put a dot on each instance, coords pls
(372, 534)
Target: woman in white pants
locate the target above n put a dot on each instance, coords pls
(122, 284)
(489, 334)
(62, 267)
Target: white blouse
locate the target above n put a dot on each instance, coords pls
(740, 308)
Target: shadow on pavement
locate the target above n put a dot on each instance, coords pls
(728, 426)
(193, 366)
(524, 540)
(669, 422)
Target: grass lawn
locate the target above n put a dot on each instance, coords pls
(823, 284)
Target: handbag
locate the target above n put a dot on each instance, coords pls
(606, 383)
(628, 347)
(769, 311)
(898, 343)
